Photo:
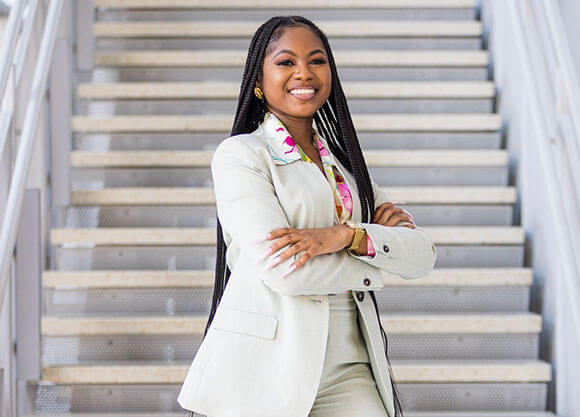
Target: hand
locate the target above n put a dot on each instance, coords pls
(388, 214)
(313, 242)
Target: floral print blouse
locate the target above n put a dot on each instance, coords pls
(285, 150)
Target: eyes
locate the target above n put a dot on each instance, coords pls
(288, 62)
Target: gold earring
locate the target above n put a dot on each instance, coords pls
(258, 93)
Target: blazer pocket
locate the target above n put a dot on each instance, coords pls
(246, 322)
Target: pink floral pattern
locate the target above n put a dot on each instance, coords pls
(284, 151)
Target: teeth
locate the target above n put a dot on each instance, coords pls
(302, 91)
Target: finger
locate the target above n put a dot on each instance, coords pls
(394, 216)
(271, 235)
(279, 232)
(298, 264)
(287, 253)
(387, 215)
(400, 214)
(409, 214)
(278, 244)
(393, 221)
(380, 210)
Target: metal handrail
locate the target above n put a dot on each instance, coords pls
(7, 54)
(11, 219)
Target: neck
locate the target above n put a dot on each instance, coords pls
(299, 128)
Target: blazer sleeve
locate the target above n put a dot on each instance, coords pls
(408, 253)
(248, 208)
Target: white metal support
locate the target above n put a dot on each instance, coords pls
(84, 34)
(60, 99)
(28, 298)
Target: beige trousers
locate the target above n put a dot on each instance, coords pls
(347, 385)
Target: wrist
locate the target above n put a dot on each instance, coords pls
(348, 235)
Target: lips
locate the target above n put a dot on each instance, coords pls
(303, 93)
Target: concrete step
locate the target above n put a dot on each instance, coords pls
(164, 196)
(176, 337)
(456, 413)
(403, 371)
(204, 215)
(120, 236)
(453, 413)
(202, 141)
(188, 291)
(121, 279)
(343, 58)
(186, 99)
(263, 4)
(195, 324)
(195, 206)
(230, 90)
(374, 158)
(333, 29)
(473, 122)
(152, 73)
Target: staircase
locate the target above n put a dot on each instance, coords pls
(129, 289)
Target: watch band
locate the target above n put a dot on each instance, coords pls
(359, 232)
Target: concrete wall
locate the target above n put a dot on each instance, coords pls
(571, 15)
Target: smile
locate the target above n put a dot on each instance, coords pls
(303, 93)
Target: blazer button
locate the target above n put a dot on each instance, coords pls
(367, 282)
(385, 248)
(360, 295)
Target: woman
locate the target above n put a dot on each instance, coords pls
(296, 330)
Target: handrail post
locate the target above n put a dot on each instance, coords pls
(84, 34)
(27, 308)
(60, 99)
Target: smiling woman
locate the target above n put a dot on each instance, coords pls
(299, 334)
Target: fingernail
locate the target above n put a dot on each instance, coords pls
(268, 252)
(289, 270)
(255, 242)
(272, 263)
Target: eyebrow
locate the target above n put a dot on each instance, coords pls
(288, 51)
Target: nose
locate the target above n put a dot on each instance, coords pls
(303, 71)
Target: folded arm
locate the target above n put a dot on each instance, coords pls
(409, 253)
(248, 209)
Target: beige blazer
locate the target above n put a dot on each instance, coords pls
(263, 354)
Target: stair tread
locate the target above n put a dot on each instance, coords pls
(343, 58)
(374, 158)
(124, 372)
(394, 323)
(439, 277)
(417, 122)
(224, 89)
(205, 195)
(442, 235)
(269, 4)
(453, 413)
(332, 28)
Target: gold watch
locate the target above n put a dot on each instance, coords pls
(359, 232)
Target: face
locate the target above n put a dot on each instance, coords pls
(296, 74)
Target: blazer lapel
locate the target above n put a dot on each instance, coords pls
(284, 151)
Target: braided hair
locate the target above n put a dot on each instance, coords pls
(333, 121)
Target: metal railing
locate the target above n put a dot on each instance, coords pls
(14, 49)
